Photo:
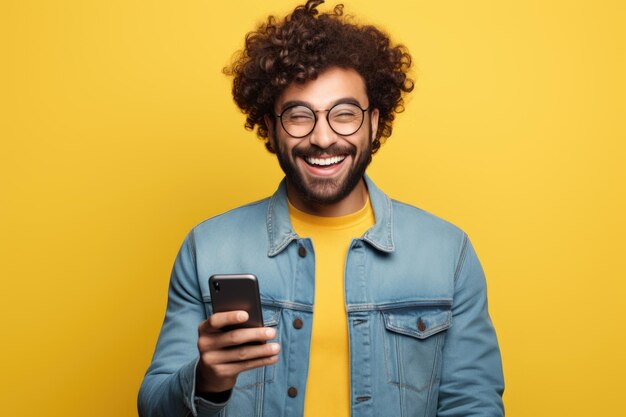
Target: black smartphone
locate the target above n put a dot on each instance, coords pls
(237, 292)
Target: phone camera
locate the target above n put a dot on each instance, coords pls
(216, 285)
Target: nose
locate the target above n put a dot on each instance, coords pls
(322, 135)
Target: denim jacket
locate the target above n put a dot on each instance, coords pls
(421, 340)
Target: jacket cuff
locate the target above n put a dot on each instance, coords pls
(199, 407)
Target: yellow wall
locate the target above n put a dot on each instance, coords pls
(118, 134)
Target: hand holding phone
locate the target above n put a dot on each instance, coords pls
(232, 339)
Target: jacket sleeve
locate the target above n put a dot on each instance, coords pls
(168, 388)
(472, 381)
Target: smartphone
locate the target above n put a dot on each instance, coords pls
(237, 292)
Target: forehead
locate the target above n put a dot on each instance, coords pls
(329, 87)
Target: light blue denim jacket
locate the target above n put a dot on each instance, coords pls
(421, 340)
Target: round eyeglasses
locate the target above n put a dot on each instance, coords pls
(344, 119)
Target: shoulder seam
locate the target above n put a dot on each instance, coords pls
(192, 249)
(461, 260)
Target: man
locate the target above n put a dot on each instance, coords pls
(371, 307)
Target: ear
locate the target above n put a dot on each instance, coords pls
(269, 123)
(374, 113)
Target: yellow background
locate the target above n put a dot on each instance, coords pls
(118, 134)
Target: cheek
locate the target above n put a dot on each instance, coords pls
(286, 149)
(365, 143)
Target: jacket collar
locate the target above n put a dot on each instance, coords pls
(280, 232)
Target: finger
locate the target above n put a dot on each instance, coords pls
(221, 340)
(240, 354)
(218, 320)
(230, 370)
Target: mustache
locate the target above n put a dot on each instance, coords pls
(315, 151)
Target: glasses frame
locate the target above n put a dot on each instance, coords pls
(280, 117)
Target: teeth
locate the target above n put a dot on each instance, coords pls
(324, 161)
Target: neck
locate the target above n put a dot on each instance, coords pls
(351, 203)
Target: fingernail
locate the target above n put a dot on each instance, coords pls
(274, 347)
(242, 316)
(270, 332)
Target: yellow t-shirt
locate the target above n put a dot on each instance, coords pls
(328, 381)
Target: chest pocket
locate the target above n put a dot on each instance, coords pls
(247, 396)
(413, 338)
(259, 376)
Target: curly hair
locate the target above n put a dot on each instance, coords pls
(303, 45)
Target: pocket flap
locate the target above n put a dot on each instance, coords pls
(419, 322)
(271, 315)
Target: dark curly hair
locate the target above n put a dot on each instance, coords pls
(305, 44)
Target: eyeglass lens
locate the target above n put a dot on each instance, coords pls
(344, 118)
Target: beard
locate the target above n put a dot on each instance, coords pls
(324, 191)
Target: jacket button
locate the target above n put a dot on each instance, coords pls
(421, 326)
(292, 392)
(302, 251)
(297, 323)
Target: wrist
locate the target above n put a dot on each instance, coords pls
(215, 397)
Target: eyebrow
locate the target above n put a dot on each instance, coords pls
(343, 100)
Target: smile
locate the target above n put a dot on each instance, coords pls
(327, 161)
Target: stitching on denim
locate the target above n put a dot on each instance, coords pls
(401, 384)
(390, 246)
(417, 335)
(437, 337)
(274, 303)
(433, 373)
(192, 249)
(253, 385)
(260, 380)
(288, 239)
(462, 255)
(274, 250)
(396, 339)
(270, 230)
(274, 316)
(260, 393)
(432, 302)
(399, 360)
(386, 351)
